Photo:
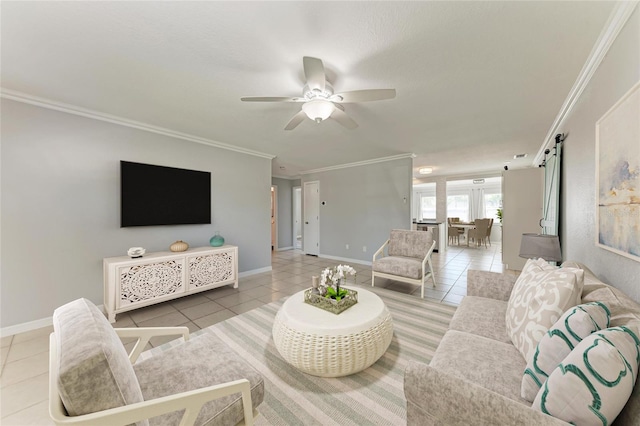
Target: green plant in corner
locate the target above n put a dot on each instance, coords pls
(499, 214)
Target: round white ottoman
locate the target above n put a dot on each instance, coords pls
(324, 344)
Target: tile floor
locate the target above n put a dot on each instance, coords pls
(24, 357)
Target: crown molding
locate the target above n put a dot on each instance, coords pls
(359, 163)
(617, 20)
(95, 115)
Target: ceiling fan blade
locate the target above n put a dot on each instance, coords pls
(341, 117)
(314, 72)
(297, 119)
(270, 99)
(364, 95)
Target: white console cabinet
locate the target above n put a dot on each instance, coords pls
(157, 277)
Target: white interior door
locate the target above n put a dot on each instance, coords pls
(311, 214)
(297, 218)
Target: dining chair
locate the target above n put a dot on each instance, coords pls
(454, 235)
(489, 230)
(479, 233)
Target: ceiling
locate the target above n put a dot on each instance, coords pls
(477, 82)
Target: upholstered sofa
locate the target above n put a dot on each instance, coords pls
(476, 374)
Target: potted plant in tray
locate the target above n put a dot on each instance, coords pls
(330, 281)
(329, 294)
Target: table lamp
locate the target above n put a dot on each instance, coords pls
(535, 246)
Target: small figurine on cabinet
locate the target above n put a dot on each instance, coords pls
(136, 252)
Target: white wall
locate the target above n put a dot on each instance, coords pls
(363, 204)
(61, 209)
(619, 71)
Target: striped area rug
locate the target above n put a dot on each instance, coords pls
(374, 396)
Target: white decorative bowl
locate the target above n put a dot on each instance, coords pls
(136, 252)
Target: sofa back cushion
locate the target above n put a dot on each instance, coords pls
(94, 371)
(414, 244)
(539, 297)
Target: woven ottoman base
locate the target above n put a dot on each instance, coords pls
(323, 344)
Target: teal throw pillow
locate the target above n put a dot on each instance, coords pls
(593, 383)
(573, 326)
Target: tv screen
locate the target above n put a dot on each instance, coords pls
(158, 195)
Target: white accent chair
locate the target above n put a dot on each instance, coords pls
(93, 381)
(408, 258)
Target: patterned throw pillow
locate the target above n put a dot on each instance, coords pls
(539, 297)
(573, 326)
(593, 383)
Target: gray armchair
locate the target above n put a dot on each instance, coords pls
(92, 380)
(408, 258)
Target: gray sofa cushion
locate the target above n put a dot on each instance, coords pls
(95, 373)
(414, 244)
(203, 361)
(493, 365)
(483, 317)
(407, 267)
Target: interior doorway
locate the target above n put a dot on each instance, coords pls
(311, 213)
(297, 218)
(274, 217)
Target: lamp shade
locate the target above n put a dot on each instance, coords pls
(318, 109)
(535, 246)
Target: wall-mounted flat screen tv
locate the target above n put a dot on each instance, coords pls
(159, 195)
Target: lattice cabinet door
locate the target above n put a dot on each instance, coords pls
(131, 283)
(213, 268)
(144, 282)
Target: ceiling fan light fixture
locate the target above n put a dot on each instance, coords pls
(318, 109)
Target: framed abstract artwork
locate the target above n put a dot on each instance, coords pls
(618, 177)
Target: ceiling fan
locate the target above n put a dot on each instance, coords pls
(318, 100)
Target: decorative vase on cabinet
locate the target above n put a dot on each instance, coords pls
(179, 246)
(217, 240)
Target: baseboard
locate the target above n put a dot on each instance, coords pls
(31, 325)
(284, 248)
(345, 259)
(254, 272)
(24, 327)
(46, 322)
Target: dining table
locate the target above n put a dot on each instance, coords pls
(466, 226)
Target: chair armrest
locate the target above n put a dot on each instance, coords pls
(437, 398)
(426, 258)
(380, 250)
(492, 285)
(144, 334)
(190, 401)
